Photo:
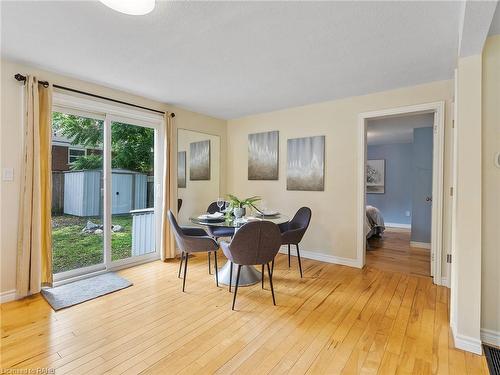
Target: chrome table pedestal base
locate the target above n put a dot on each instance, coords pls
(248, 275)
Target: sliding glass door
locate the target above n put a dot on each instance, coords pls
(77, 193)
(105, 191)
(132, 192)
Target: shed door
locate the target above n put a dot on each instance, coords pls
(121, 193)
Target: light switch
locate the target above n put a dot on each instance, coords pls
(8, 174)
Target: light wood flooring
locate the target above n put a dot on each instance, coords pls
(392, 252)
(335, 320)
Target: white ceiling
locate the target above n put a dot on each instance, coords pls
(397, 129)
(231, 59)
(495, 24)
(476, 19)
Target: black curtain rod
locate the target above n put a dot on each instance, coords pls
(22, 78)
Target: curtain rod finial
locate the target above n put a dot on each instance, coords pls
(172, 115)
(20, 77)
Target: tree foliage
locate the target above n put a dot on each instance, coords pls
(83, 131)
(87, 162)
(131, 146)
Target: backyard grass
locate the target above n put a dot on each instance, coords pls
(71, 248)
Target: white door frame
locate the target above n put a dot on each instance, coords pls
(437, 179)
(452, 274)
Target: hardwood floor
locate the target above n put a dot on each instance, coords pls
(392, 252)
(335, 320)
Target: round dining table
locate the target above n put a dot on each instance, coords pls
(248, 274)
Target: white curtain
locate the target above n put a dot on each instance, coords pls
(34, 253)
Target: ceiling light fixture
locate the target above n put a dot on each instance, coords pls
(132, 7)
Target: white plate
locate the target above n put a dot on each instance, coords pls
(270, 212)
(216, 215)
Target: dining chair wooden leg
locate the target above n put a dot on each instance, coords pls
(236, 286)
(185, 272)
(180, 265)
(216, 270)
(271, 282)
(262, 276)
(230, 276)
(288, 256)
(209, 267)
(300, 263)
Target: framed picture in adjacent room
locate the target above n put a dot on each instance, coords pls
(375, 176)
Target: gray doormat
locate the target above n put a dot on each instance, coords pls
(80, 291)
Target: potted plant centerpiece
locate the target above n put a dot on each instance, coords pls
(238, 206)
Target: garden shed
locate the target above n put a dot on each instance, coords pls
(82, 192)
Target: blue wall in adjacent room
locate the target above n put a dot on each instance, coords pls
(421, 221)
(398, 182)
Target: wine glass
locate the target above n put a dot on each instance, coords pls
(220, 203)
(263, 207)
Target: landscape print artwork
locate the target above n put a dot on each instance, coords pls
(263, 156)
(199, 160)
(306, 164)
(181, 169)
(375, 176)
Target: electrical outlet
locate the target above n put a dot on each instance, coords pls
(8, 174)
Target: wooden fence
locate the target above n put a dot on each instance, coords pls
(57, 193)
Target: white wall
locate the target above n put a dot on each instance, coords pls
(332, 233)
(11, 141)
(466, 266)
(197, 195)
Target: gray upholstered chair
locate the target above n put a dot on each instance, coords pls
(192, 240)
(215, 231)
(293, 231)
(255, 243)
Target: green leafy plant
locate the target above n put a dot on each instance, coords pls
(235, 202)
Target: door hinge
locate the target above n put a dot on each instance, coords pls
(451, 191)
(448, 258)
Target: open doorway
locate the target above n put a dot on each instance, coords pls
(401, 189)
(399, 193)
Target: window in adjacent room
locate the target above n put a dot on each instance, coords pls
(75, 153)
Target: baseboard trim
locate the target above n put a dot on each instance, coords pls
(9, 295)
(469, 344)
(444, 282)
(397, 225)
(322, 257)
(490, 337)
(422, 245)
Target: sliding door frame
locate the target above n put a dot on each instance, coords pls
(158, 167)
(100, 110)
